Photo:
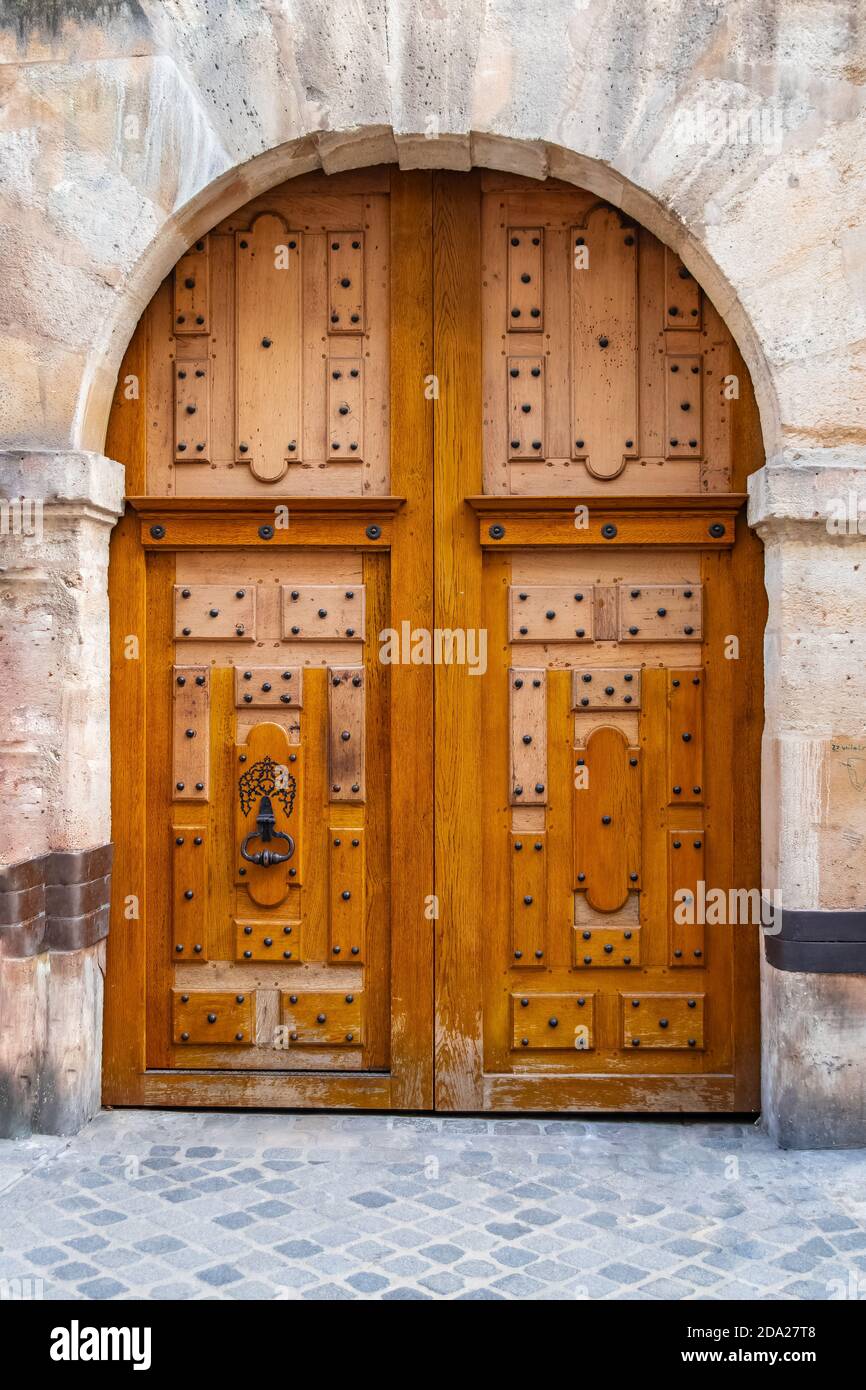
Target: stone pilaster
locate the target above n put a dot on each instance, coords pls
(56, 514)
(810, 511)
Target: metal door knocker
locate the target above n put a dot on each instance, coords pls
(267, 780)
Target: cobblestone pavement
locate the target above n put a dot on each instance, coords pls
(170, 1205)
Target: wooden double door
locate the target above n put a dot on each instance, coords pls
(436, 663)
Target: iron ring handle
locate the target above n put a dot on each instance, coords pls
(266, 857)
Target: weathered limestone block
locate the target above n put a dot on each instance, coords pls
(54, 747)
(70, 1082)
(814, 1080)
(811, 514)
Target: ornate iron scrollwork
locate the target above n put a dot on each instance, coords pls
(267, 780)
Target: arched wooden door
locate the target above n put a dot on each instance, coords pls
(436, 662)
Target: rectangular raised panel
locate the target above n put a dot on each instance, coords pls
(605, 612)
(192, 411)
(550, 613)
(190, 733)
(269, 687)
(323, 1018)
(552, 1021)
(660, 613)
(214, 613)
(201, 1016)
(189, 874)
(685, 737)
(267, 939)
(682, 295)
(597, 947)
(670, 1021)
(607, 819)
(323, 612)
(525, 280)
(268, 1030)
(600, 687)
(192, 290)
(268, 349)
(346, 733)
(526, 408)
(604, 345)
(683, 397)
(528, 898)
(686, 897)
(267, 766)
(347, 905)
(528, 709)
(346, 282)
(345, 409)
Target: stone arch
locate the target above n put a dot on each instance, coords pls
(129, 127)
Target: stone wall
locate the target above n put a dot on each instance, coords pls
(734, 131)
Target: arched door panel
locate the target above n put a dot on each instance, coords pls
(446, 626)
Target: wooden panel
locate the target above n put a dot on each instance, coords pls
(190, 901)
(674, 1021)
(214, 613)
(346, 733)
(596, 947)
(607, 820)
(268, 1018)
(525, 282)
(408, 714)
(192, 291)
(315, 1019)
(347, 905)
(528, 704)
(528, 898)
(683, 404)
(346, 282)
(268, 776)
(269, 687)
(192, 411)
(685, 737)
(459, 699)
(686, 880)
(345, 408)
(267, 939)
(157, 877)
(514, 523)
(682, 295)
(606, 687)
(525, 394)
(660, 613)
(552, 1021)
(190, 768)
(551, 613)
(202, 1016)
(323, 612)
(268, 347)
(210, 526)
(604, 346)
